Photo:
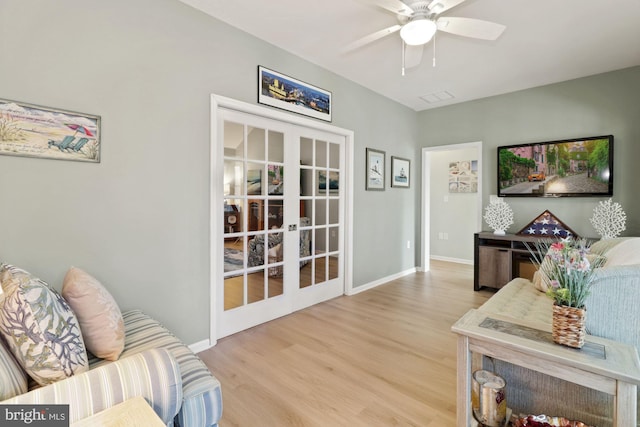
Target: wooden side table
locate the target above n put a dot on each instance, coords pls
(134, 412)
(604, 365)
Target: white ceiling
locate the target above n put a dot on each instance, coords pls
(545, 42)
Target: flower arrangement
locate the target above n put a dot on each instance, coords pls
(567, 269)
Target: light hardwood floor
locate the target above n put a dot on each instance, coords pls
(384, 357)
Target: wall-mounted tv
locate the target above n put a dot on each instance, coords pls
(568, 167)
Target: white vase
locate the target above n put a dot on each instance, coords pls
(499, 232)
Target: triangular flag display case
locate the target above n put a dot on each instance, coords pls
(547, 225)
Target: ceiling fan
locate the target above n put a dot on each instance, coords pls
(418, 22)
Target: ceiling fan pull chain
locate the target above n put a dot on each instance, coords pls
(403, 48)
(434, 51)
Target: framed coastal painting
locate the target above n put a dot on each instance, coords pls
(281, 91)
(375, 170)
(400, 172)
(33, 131)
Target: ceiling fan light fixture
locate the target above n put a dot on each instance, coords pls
(418, 31)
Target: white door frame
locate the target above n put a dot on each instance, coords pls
(426, 194)
(216, 214)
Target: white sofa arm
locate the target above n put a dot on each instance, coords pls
(153, 374)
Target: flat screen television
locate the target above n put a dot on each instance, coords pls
(565, 168)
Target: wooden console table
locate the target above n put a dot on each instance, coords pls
(603, 365)
(498, 259)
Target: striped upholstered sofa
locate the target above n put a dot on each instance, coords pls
(154, 364)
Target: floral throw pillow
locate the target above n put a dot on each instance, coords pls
(39, 327)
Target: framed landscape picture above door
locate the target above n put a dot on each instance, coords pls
(281, 91)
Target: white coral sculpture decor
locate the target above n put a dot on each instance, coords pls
(499, 216)
(609, 219)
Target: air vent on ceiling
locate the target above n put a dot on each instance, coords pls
(433, 98)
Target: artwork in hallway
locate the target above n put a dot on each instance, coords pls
(33, 131)
(463, 176)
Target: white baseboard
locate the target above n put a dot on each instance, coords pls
(456, 260)
(382, 281)
(200, 346)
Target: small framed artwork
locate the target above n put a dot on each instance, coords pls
(375, 170)
(400, 172)
(49, 133)
(275, 173)
(332, 183)
(254, 182)
(281, 91)
(463, 176)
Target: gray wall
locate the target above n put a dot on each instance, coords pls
(138, 221)
(597, 105)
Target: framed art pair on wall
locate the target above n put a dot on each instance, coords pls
(376, 171)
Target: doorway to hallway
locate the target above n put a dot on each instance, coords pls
(449, 217)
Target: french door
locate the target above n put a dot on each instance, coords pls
(280, 241)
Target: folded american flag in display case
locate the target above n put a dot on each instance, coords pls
(547, 225)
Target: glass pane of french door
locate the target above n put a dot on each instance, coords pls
(321, 202)
(253, 214)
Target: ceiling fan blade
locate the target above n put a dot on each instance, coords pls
(412, 55)
(443, 5)
(469, 27)
(371, 38)
(395, 6)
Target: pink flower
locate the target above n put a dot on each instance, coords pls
(584, 265)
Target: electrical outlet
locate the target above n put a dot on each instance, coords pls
(408, 244)
(446, 236)
(440, 236)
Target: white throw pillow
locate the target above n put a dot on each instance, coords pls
(98, 313)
